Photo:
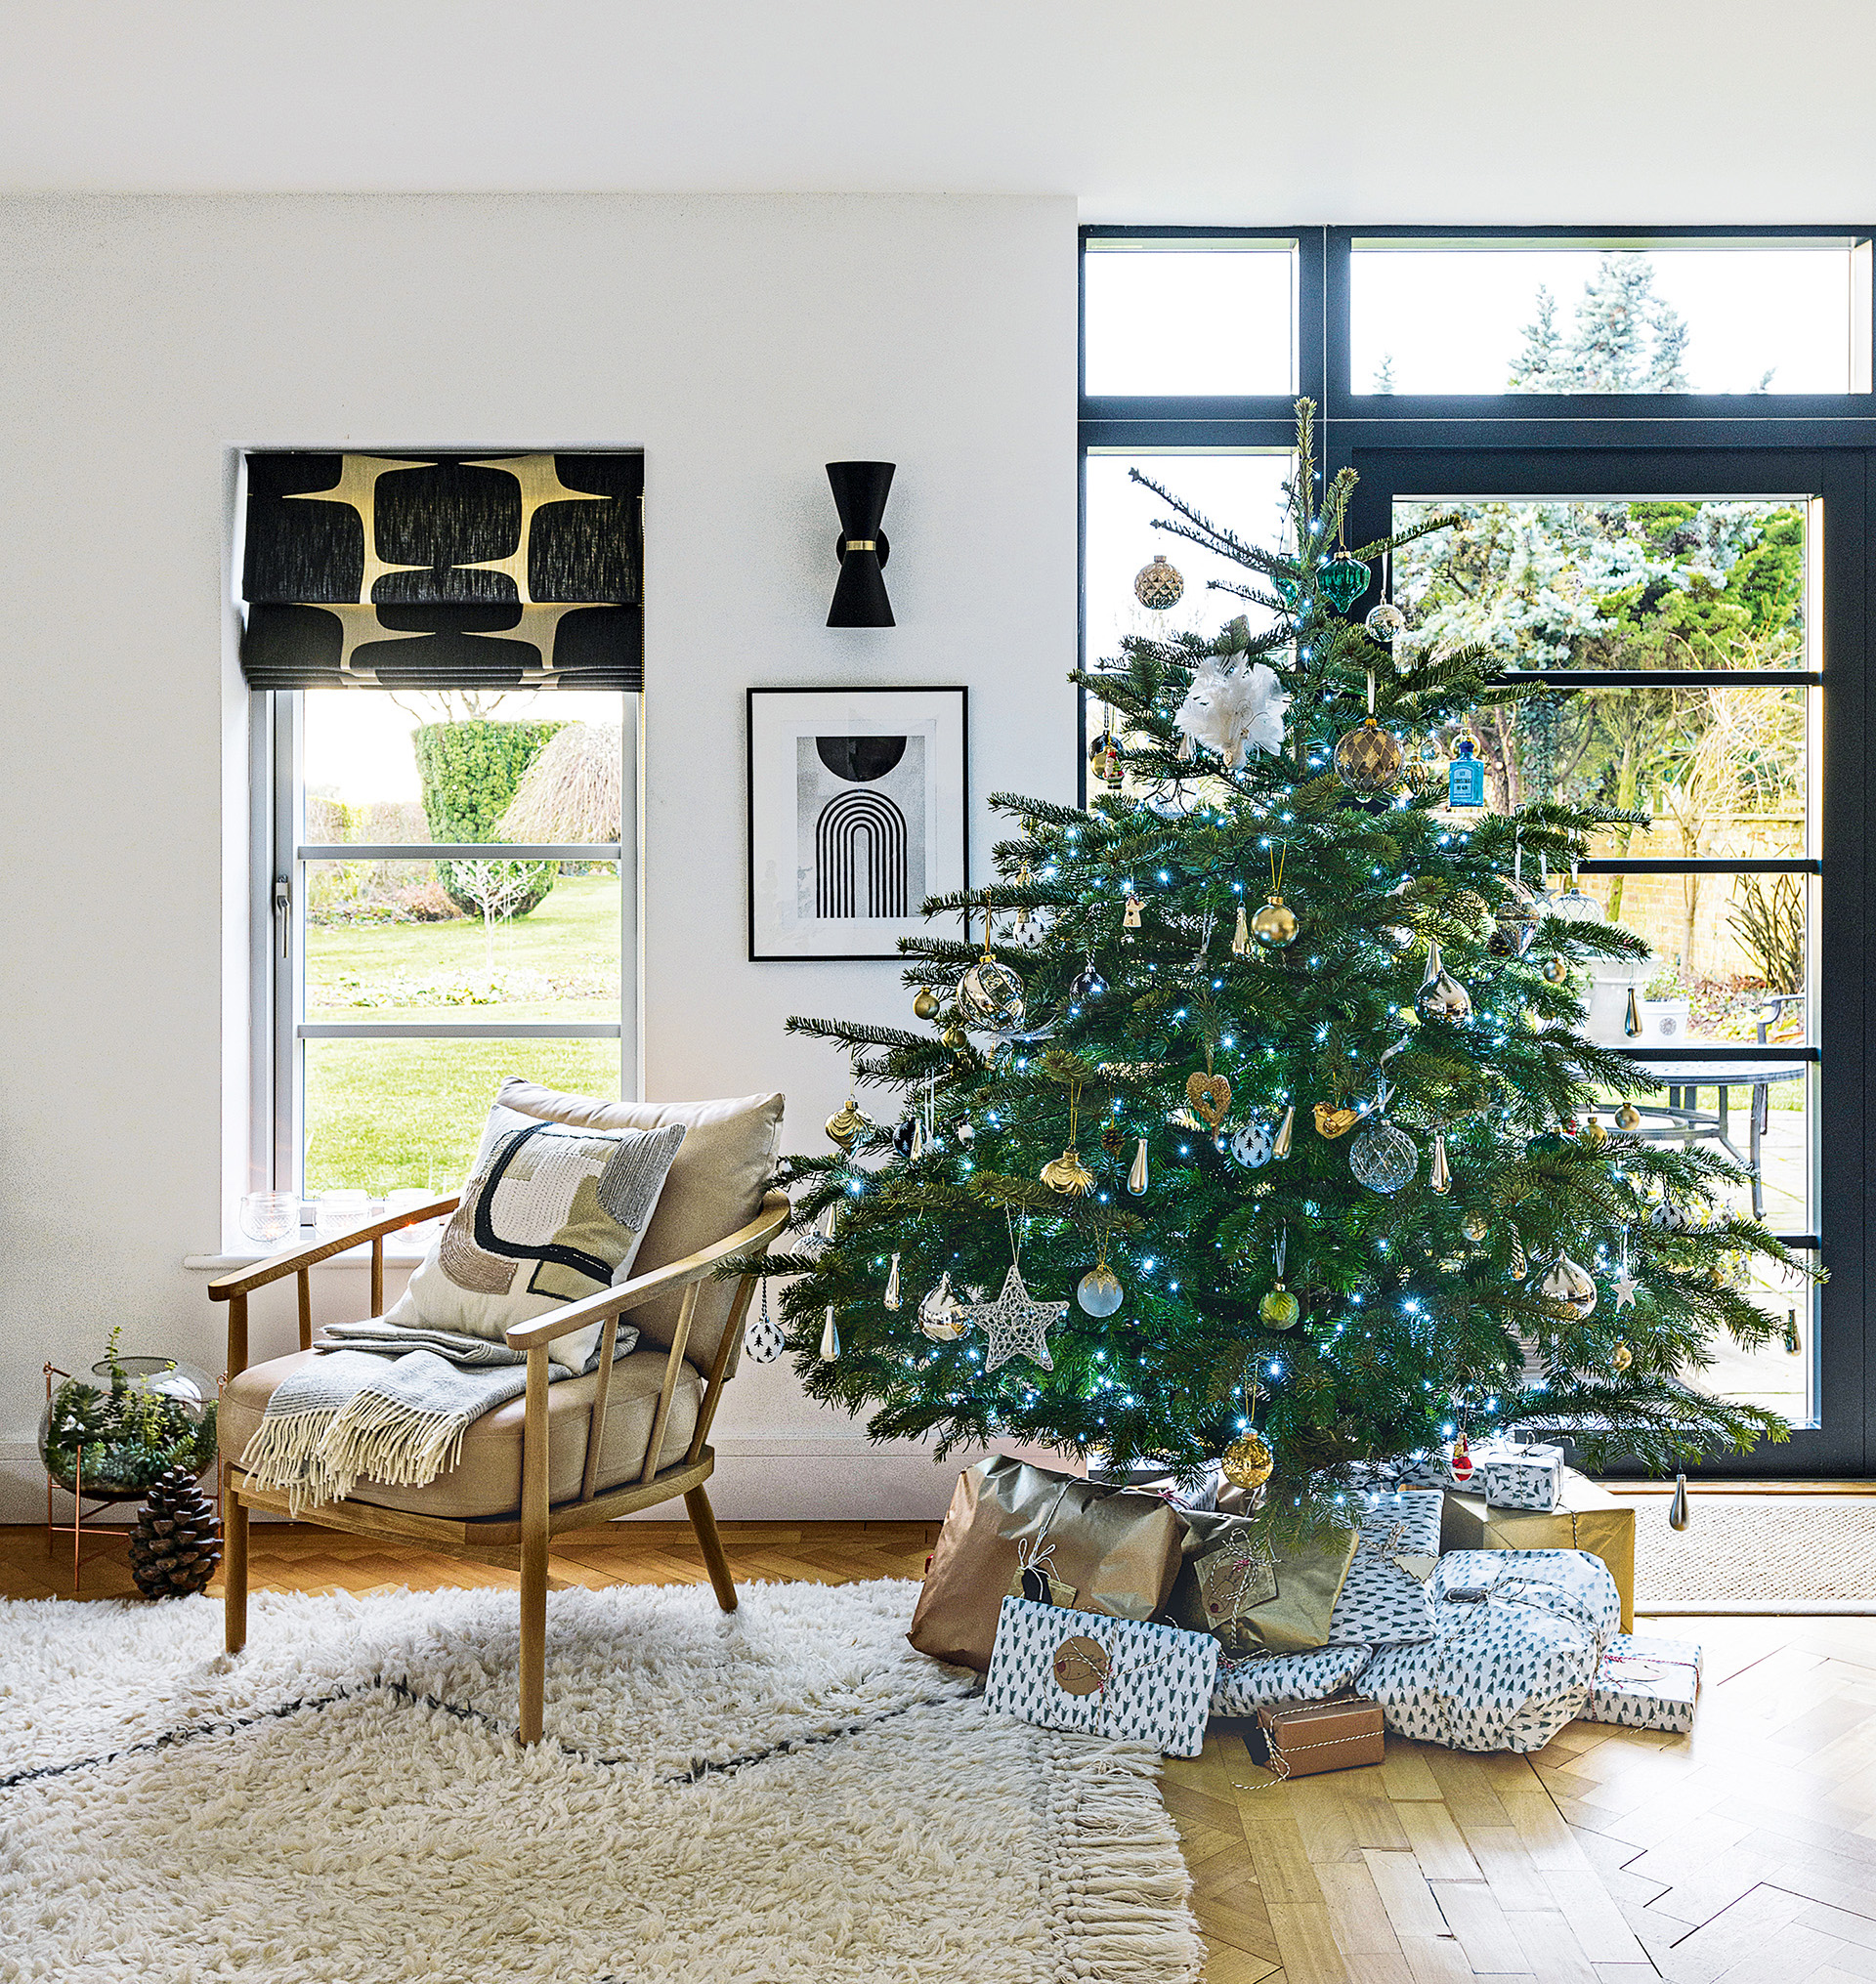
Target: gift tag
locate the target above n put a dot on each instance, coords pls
(1234, 1583)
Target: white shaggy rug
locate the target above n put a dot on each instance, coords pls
(785, 1792)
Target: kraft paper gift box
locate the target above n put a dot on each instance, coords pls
(1584, 1518)
(1299, 1738)
(1511, 1475)
(1646, 1683)
(1518, 1635)
(1111, 1677)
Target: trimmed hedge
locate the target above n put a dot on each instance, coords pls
(470, 771)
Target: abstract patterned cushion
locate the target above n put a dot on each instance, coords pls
(1508, 1670)
(1385, 1598)
(551, 1213)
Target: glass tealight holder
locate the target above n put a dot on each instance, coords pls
(403, 1200)
(270, 1217)
(342, 1212)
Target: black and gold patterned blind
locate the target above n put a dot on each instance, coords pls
(444, 572)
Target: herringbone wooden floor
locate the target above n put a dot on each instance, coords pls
(1744, 1854)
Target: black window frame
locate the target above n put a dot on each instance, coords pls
(1579, 428)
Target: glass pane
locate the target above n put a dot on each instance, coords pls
(529, 765)
(484, 940)
(384, 1113)
(1551, 583)
(1189, 316)
(1729, 959)
(1531, 316)
(1244, 492)
(1780, 1374)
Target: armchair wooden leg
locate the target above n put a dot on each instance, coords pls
(533, 1549)
(703, 1522)
(234, 1562)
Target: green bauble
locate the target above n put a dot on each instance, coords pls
(1280, 1309)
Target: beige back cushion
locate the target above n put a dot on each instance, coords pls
(724, 1165)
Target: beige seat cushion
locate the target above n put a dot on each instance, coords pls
(724, 1165)
(487, 1480)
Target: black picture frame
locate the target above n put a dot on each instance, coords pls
(777, 717)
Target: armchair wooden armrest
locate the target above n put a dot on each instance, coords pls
(234, 1289)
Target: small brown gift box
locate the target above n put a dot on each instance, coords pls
(1302, 1738)
(1086, 1546)
(1586, 1518)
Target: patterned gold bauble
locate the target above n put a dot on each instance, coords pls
(926, 1003)
(1159, 585)
(1279, 1309)
(1068, 1175)
(992, 991)
(1368, 759)
(845, 1124)
(1248, 1462)
(1622, 1357)
(1275, 925)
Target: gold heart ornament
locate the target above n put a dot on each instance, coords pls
(1210, 1095)
(1335, 1123)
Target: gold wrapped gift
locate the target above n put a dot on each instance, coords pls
(1115, 1550)
(1586, 1518)
(1257, 1590)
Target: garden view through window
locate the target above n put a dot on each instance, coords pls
(420, 982)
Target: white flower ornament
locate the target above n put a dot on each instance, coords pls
(1234, 710)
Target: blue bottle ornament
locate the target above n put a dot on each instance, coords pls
(1465, 779)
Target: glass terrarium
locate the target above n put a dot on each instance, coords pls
(110, 1439)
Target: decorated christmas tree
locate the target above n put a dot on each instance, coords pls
(1251, 1107)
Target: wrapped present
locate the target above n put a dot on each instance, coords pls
(1298, 1739)
(1255, 1585)
(1646, 1683)
(1112, 1677)
(1518, 1637)
(1586, 1518)
(1513, 1475)
(1105, 1550)
(1385, 1600)
(1244, 1686)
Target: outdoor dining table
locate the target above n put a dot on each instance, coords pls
(1680, 1117)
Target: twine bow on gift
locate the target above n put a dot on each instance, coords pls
(1416, 1564)
(1242, 1575)
(1035, 1577)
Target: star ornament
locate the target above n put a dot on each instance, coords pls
(1015, 1323)
(1625, 1288)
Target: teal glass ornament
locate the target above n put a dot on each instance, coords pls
(1465, 781)
(1346, 579)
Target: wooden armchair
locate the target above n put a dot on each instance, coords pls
(517, 1538)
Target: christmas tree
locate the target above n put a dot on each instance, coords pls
(1263, 1074)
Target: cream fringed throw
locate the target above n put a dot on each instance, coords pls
(550, 1214)
(386, 1402)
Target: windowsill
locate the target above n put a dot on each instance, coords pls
(398, 1252)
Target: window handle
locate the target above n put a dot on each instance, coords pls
(283, 911)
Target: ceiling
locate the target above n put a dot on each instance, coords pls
(1180, 109)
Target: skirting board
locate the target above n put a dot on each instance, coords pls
(759, 1478)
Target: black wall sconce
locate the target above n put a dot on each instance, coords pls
(860, 495)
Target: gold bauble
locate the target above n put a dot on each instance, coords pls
(1556, 970)
(1248, 1462)
(1476, 1228)
(1593, 1132)
(1368, 758)
(1159, 585)
(1279, 1309)
(1628, 1118)
(927, 1005)
(1622, 1357)
(845, 1124)
(1275, 925)
(1068, 1175)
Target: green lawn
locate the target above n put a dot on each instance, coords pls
(384, 1113)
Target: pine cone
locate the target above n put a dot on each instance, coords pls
(177, 1542)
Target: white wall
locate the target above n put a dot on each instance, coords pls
(741, 343)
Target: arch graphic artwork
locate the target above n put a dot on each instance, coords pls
(860, 857)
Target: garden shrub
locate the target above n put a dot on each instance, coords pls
(470, 771)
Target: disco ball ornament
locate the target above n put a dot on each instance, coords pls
(1386, 623)
(1368, 759)
(1275, 925)
(992, 991)
(1383, 1159)
(1254, 1144)
(1568, 1286)
(1099, 1291)
(1346, 579)
(1159, 585)
(1248, 1462)
(1515, 922)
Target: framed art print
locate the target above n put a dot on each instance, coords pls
(857, 814)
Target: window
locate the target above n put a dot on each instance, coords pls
(1190, 314)
(403, 986)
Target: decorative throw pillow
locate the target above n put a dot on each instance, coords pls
(551, 1213)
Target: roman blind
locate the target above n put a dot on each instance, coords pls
(443, 572)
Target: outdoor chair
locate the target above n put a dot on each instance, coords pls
(627, 1435)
